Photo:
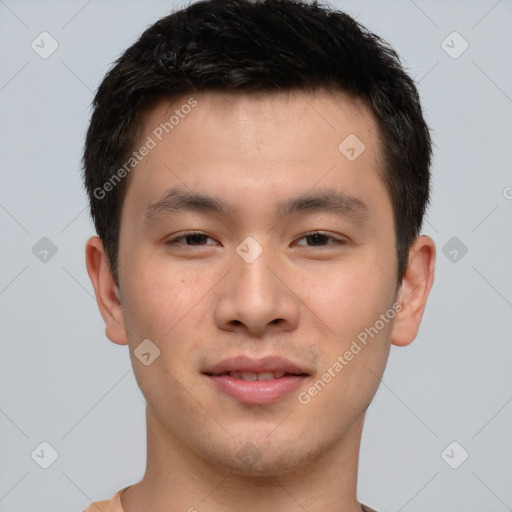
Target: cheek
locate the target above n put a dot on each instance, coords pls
(357, 347)
(349, 297)
(160, 294)
(169, 305)
(163, 305)
(362, 338)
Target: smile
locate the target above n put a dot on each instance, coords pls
(256, 381)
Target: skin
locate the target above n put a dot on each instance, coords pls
(301, 299)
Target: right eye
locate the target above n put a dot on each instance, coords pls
(192, 239)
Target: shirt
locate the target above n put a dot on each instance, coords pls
(114, 505)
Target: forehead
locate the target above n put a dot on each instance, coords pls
(254, 149)
(269, 122)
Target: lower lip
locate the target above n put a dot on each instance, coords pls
(257, 392)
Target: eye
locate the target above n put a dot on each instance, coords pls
(190, 239)
(314, 239)
(318, 239)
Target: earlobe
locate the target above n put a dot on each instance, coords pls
(106, 291)
(414, 291)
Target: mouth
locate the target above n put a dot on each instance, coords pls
(251, 376)
(256, 382)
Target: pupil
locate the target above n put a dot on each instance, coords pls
(317, 238)
(196, 238)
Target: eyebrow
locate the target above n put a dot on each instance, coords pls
(329, 200)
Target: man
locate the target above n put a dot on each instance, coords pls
(258, 174)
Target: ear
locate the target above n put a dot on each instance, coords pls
(107, 295)
(414, 290)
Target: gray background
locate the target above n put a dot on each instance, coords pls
(63, 382)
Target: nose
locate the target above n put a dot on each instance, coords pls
(255, 298)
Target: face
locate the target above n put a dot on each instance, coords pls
(254, 246)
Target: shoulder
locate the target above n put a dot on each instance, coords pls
(112, 505)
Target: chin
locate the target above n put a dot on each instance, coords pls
(263, 461)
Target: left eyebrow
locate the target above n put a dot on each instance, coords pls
(327, 200)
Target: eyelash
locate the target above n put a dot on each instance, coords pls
(175, 240)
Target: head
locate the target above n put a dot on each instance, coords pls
(271, 120)
(271, 46)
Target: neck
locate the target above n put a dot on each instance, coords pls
(177, 479)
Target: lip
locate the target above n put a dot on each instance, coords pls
(248, 364)
(257, 392)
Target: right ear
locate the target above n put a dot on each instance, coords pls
(105, 289)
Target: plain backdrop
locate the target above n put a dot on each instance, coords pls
(63, 383)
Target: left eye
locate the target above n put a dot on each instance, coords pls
(317, 239)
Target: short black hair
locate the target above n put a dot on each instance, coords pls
(259, 46)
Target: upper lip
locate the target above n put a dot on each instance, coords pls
(247, 364)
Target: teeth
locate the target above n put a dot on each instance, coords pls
(248, 376)
(256, 376)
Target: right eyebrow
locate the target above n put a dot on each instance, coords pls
(177, 199)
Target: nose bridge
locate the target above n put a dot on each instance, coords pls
(255, 283)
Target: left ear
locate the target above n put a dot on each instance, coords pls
(414, 290)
